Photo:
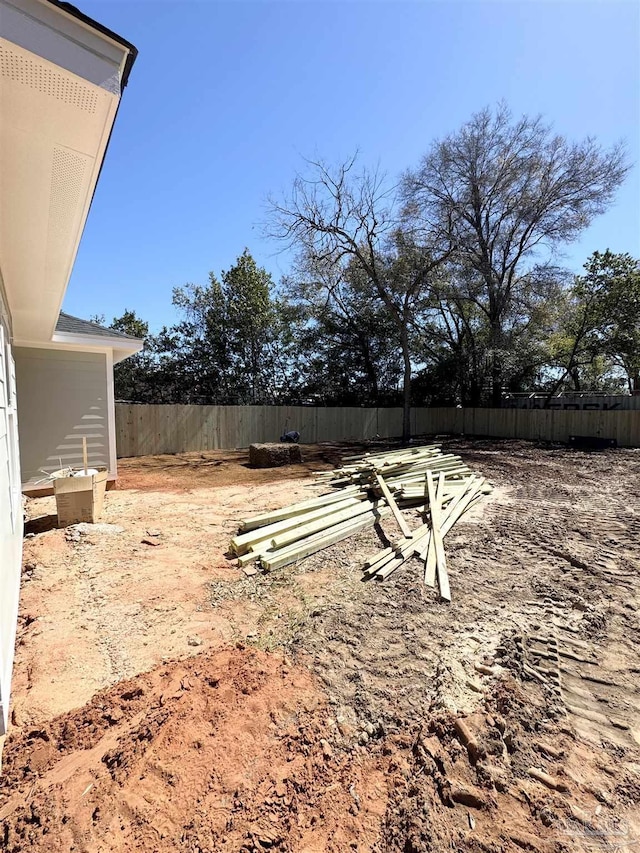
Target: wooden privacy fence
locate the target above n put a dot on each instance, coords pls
(143, 430)
(532, 425)
(147, 429)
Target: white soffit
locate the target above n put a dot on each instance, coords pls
(54, 34)
(121, 347)
(57, 36)
(54, 129)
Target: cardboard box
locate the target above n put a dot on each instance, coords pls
(80, 498)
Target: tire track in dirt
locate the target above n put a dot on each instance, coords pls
(109, 631)
(571, 548)
(585, 577)
(430, 725)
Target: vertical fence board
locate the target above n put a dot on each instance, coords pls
(389, 423)
(144, 429)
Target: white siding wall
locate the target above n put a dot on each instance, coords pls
(63, 396)
(10, 516)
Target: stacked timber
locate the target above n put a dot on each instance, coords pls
(365, 490)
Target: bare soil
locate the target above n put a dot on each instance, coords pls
(165, 701)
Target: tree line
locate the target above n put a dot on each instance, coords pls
(444, 288)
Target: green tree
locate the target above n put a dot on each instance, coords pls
(251, 319)
(134, 376)
(230, 346)
(130, 324)
(598, 332)
(612, 286)
(197, 347)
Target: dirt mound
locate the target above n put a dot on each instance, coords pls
(237, 750)
(227, 751)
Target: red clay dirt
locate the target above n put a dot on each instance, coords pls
(237, 750)
(164, 701)
(220, 752)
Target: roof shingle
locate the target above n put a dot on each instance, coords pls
(75, 326)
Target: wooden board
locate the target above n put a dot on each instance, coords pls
(436, 535)
(393, 506)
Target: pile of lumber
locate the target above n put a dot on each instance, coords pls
(364, 490)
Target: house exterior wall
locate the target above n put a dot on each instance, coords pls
(10, 512)
(63, 395)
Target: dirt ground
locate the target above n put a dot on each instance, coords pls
(165, 701)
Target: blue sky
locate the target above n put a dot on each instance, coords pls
(226, 97)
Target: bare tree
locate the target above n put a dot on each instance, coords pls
(502, 192)
(346, 222)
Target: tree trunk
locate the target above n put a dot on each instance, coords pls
(496, 392)
(370, 370)
(406, 388)
(475, 395)
(496, 383)
(496, 364)
(575, 376)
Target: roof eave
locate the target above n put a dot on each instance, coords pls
(74, 12)
(36, 282)
(132, 55)
(131, 345)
